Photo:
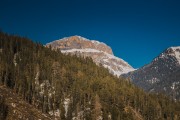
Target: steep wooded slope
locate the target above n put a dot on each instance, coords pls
(70, 87)
(14, 107)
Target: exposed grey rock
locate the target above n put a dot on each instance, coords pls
(161, 75)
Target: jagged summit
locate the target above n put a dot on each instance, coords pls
(98, 51)
(172, 53)
(172, 50)
(176, 53)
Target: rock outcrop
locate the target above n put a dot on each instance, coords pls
(98, 51)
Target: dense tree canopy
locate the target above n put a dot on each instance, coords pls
(67, 86)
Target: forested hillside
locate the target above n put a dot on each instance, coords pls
(70, 87)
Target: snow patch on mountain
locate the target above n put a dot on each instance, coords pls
(173, 52)
(176, 53)
(66, 106)
(108, 61)
(79, 50)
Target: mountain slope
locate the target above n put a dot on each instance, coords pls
(98, 51)
(17, 108)
(69, 87)
(161, 75)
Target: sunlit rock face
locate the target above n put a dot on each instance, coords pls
(98, 51)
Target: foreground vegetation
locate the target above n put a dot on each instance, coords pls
(70, 87)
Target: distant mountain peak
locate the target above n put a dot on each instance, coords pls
(161, 75)
(171, 53)
(173, 50)
(98, 51)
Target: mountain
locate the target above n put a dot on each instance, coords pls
(98, 51)
(39, 83)
(161, 75)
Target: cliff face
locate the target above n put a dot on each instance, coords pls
(98, 51)
(78, 42)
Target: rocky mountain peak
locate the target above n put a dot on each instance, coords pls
(176, 53)
(98, 51)
(161, 75)
(78, 42)
(172, 53)
(172, 50)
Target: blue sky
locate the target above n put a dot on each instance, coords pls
(136, 30)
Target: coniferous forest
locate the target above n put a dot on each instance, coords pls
(68, 87)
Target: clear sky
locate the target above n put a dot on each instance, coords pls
(136, 30)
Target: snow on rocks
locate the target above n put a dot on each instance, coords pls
(115, 65)
(66, 105)
(172, 52)
(14, 60)
(176, 53)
